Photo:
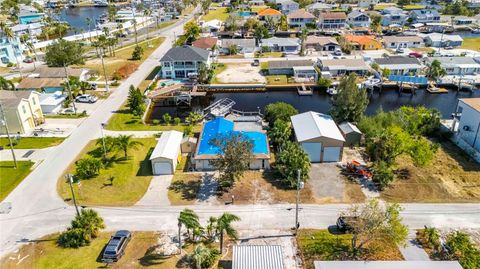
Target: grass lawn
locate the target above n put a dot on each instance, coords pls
(471, 44)
(144, 84)
(184, 188)
(412, 7)
(32, 142)
(277, 79)
(131, 178)
(317, 245)
(11, 177)
(451, 177)
(272, 54)
(219, 68)
(122, 57)
(67, 116)
(45, 253)
(258, 8)
(220, 13)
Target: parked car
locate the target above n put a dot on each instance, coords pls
(337, 52)
(400, 50)
(256, 62)
(116, 246)
(86, 98)
(344, 223)
(28, 60)
(415, 54)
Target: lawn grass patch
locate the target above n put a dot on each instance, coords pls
(412, 7)
(276, 79)
(66, 116)
(218, 68)
(131, 177)
(32, 142)
(271, 54)
(258, 8)
(45, 253)
(423, 50)
(471, 43)
(317, 245)
(220, 13)
(184, 188)
(11, 177)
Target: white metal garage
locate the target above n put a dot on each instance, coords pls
(319, 136)
(164, 157)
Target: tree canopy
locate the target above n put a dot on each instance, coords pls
(279, 111)
(135, 101)
(291, 159)
(64, 53)
(435, 70)
(351, 102)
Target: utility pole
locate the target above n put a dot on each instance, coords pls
(300, 185)
(70, 182)
(180, 236)
(4, 121)
(102, 125)
(104, 72)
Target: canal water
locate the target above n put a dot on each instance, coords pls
(320, 101)
(76, 16)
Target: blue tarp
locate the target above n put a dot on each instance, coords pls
(408, 79)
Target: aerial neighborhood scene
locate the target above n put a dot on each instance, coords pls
(240, 134)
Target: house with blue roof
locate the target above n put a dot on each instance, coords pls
(220, 127)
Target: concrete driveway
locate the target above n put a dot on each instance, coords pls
(326, 181)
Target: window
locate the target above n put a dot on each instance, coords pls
(33, 101)
(24, 110)
(166, 64)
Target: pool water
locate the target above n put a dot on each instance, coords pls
(246, 13)
(169, 82)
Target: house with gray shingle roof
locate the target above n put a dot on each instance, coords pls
(180, 62)
(287, 45)
(400, 65)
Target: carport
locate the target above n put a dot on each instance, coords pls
(164, 157)
(319, 136)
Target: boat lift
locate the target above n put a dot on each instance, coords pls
(220, 108)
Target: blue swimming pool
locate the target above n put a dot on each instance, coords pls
(246, 13)
(221, 127)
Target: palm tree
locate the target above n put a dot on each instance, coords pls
(8, 33)
(125, 142)
(200, 254)
(88, 21)
(271, 24)
(189, 219)
(147, 13)
(90, 221)
(224, 225)
(6, 84)
(84, 86)
(435, 70)
(211, 227)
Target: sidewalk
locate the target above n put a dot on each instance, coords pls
(412, 251)
(26, 154)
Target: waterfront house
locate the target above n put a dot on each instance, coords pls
(457, 66)
(400, 65)
(396, 41)
(424, 16)
(332, 20)
(47, 85)
(287, 45)
(301, 70)
(29, 16)
(180, 62)
(466, 125)
(243, 46)
(358, 19)
(363, 42)
(442, 40)
(387, 264)
(343, 67)
(287, 6)
(11, 50)
(319, 136)
(319, 7)
(367, 3)
(32, 29)
(300, 18)
(22, 110)
(212, 26)
(83, 74)
(256, 3)
(321, 43)
(219, 127)
(269, 13)
(393, 16)
(208, 43)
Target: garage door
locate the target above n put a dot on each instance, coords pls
(331, 154)
(313, 150)
(162, 168)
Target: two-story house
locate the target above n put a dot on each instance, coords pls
(287, 6)
(22, 110)
(393, 16)
(11, 50)
(424, 16)
(466, 126)
(332, 20)
(300, 18)
(358, 19)
(184, 61)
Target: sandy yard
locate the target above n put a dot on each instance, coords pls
(241, 73)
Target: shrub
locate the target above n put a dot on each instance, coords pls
(84, 228)
(167, 118)
(137, 53)
(279, 110)
(177, 121)
(382, 174)
(292, 158)
(155, 122)
(187, 130)
(74, 238)
(117, 76)
(211, 258)
(87, 167)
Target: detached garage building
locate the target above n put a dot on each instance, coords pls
(319, 136)
(164, 157)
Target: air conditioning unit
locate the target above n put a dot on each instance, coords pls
(466, 128)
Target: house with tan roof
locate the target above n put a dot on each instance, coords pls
(363, 42)
(22, 110)
(395, 42)
(300, 18)
(269, 13)
(207, 43)
(332, 20)
(321, 43)
(47, 85)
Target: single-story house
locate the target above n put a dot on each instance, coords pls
(244, 46)
(269, 13)
(321, 43)
(358, 19)
(438, 40)
(212, 26)
(363, 42)
(301, 70)
(164, 157)
(351, 133)
(207, 43)
(400, 65)
(218, 127)
(319, 136)
(52, 102)
(47, 85)
(257, 257)
(457, 66)
(408, 41)
(341, 67)
(332, 20)
(22, 110)
(287, 45)
(387, 265)
(83, 74)
(189, 143)
(300, 18)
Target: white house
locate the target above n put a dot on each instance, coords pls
(212, 26)
(52, 102)
(183, 61)
(164, 157)
(442, 40)
(400, 65)
(332, 20)
(408, 41)
(287, 45)
(457, 66)
(287, 6)
(319, 136)
(358, 19)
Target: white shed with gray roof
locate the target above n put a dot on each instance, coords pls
(387, 265)
(164, 157)
(352, 134)
(257, 257)
(319, 136)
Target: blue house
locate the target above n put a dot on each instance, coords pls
(393, 15)
(11, 49)
(424, 16)
(220, 127)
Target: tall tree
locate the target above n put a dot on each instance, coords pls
(280, 133)
(126, 142)
(135, 101)
(235, 152)
(303, 39)
(279, 111)
(224, 225)
(291, 159)
(435, 70)
(350, 102)
(6, 84)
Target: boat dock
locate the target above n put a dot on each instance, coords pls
(304, 90)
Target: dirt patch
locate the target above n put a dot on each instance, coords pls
(451, 177)
(241, 73)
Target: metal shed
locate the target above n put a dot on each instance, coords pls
(188, 144)
(257, 257)
(352, 134)
(164, 157)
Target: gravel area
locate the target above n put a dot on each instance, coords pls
(241, 73)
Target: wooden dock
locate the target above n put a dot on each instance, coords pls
(304, 91)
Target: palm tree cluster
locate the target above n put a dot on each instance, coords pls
(85, 227)
(106, 43)
(122, 143)
(53, 29)
(78, 86)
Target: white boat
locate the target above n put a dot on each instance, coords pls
(100, 3)
(332, 91)
(476, 31)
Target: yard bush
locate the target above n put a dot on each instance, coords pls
(87, 167)
(137, 53)
(84, 228)
(279, 110)
(462, 249)
(291, 159)
(382, 174)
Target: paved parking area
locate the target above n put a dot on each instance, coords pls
(326, 181)
(89, 108)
